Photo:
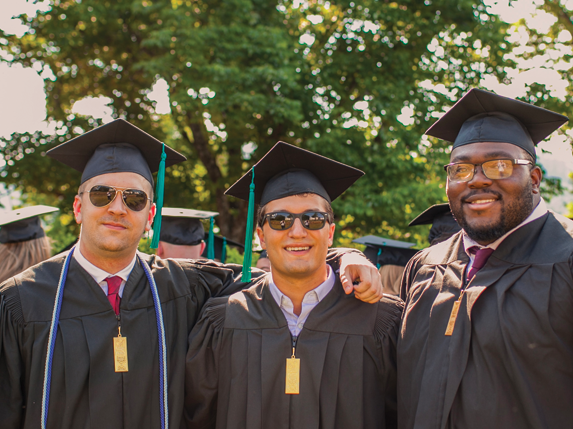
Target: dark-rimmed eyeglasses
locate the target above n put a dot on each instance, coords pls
(134, 199)
(495, 169)
(311, 220)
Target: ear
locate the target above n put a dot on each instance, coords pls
(332, 227)
(203, 245)
(261, 236)
(78, 209)
(536, 176)
(150, 217)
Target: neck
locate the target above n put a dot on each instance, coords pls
(111, 262)
(297, 287)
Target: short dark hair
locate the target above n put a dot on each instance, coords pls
(263, 210)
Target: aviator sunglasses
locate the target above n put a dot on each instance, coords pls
(311, 220)
(134, 199)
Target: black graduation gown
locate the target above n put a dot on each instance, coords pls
(237, 358)
(85, 391)
(509, 362)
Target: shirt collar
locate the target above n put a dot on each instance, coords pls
(321, 290)
(539, 211)
(98, 274)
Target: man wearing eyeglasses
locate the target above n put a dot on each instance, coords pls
(487, 335)
(293, 351)
(97, 337)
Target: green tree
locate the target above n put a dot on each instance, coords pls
(331, 76)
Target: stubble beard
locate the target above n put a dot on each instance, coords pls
(510, 217)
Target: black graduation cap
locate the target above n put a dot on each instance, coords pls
(183, 226)
(443, 223)
(384, 251)
(115, 147)
(23, 224)
(287, 170)
(482, 116)
(221, 244)
(119, 147)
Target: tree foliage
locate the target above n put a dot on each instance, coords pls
(356, 81)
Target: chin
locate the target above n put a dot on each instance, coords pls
(300, 270)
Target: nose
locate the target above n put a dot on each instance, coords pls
(297, 230)
(117, 206)
(479, 180)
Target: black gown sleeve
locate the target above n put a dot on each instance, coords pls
(202, 366)
(386, 332)
(335, 254)
(11, 367)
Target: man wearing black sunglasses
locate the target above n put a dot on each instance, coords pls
(293, 350)
(97, 336)
(487, 334)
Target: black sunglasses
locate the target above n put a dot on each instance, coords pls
(134, 199)
(311, 220)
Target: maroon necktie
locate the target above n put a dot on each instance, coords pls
(113, 284)
(480, 258)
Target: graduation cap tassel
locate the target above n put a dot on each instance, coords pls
(224, 251)
(159, 200)
(211, 240)
(378, 258)
(248, 257)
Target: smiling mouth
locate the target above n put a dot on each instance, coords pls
(482, 201)
(297, 249)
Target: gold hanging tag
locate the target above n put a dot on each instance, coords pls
(453, 317)
(120, 352)
(292, 375)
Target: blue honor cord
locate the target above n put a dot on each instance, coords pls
(163, 406)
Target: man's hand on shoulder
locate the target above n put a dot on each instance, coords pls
(360, 276)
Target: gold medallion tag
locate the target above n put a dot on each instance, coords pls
(292, 376)
(120, 353)
(453, 317)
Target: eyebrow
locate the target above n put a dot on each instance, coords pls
(491, 155)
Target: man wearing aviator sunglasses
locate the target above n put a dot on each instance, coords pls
(96, 337)
(316, 357)
(486, 335)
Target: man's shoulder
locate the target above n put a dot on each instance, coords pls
(441, 253)
(35, 285)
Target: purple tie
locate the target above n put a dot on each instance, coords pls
(113, 284)
(480, 258)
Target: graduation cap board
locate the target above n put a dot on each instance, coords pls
(220, 247)
(184, 227)
(287, 170)
(23, 224)
(384, 251)
(482, 116)
(119, 147)
(443, 223)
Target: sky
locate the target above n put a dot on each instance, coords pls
(23, 107)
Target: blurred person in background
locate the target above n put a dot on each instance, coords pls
(182, 233)
(390, 257)
(23, 242)
(264, 263)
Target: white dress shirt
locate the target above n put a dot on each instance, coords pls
(539, 211)
(310, 300)
(100, 275)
